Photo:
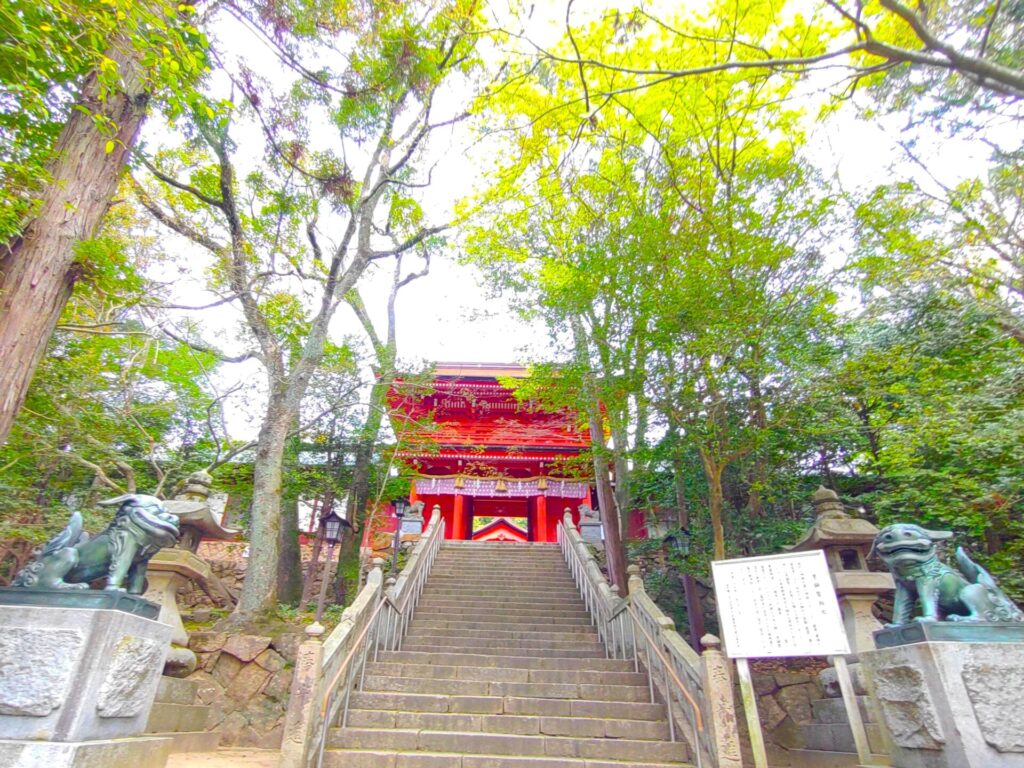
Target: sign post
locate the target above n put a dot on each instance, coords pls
(779, 606)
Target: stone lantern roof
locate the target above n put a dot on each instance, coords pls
(833, 526)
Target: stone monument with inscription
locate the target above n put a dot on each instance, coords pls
(590, 526)
(79, 668)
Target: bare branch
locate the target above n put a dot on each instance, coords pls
(201, 346)
(412, 242)
(173, 182)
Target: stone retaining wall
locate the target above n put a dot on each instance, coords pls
(785, 689)
(245, 680)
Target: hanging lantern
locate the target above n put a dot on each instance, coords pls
(542, 483)
(500, 486)
(460, 481)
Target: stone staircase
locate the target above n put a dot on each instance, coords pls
(178, 715)
(501, 668)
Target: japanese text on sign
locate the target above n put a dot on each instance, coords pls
(781, 605)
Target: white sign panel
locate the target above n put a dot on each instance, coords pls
(780, 605)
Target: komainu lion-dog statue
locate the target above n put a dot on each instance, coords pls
(967, 593)
(70, 560)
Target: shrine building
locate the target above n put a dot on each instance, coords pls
(498, 469)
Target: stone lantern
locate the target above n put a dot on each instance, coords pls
(172, 569)
(846, 542)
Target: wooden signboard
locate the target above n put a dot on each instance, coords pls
(778, 606)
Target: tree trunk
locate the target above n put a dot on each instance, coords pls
(359, 491)
(259, 591)
(679, 482)
(38, 269)
(623, 499)
(713, 475)
(346, 572)
(289, 566)
(616, 553)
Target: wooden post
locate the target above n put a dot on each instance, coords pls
(459, 518)
(694, 611)
(750, 709)
(541, 519)
(860, 736)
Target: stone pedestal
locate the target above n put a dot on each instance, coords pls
(591, 532)
(139, 752)
(75, 683)
(412, 524)
(949, 704)
(169, 571)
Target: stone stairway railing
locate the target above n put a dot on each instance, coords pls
(697, 687)
(326, 672)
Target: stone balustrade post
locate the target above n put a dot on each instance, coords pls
(721, 722)
(302, 715)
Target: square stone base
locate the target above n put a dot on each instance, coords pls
(950, 705)
(139, 752)
(77, 674)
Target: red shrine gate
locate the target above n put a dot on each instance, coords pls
(478, 453)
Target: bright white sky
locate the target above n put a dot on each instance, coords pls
(447, 316)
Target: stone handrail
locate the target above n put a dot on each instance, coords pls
(629, 629)
(599, 598)
(706, 676)
(321, 666)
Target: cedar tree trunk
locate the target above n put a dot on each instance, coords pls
(38, 269)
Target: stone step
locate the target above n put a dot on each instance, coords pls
(838, 737)
(498, 637)
(491, 570)
(589, 691)
(501, 660)
(486, 574)
(505, 585)
(511, 705)
(502, 562)
(510, 601)
(813, 758)
(371, 758)
(580, 650)
(502, 546)
(516, 745)
(548, 555)
(502, 629)
(433, 608)
(505, 674)
(499, 593)
(174, 690)
(480, 563)
(478, 605)
(191, 741)
(176, 718)
(487, 621)
(530, 725)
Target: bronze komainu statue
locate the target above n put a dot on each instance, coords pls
(70, 560)
(967, 593)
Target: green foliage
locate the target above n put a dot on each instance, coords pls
(938, 390)
(48, 50)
